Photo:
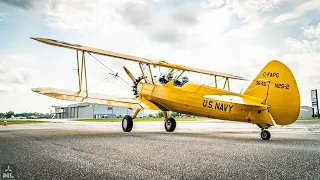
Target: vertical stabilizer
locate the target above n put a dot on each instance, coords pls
(276, 85)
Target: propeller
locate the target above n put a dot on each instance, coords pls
(135, 82)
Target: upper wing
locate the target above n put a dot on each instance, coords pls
(96, 98)
(234, 99)
(133, 58)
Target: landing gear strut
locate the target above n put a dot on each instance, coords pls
(170, 124)
(265, 134)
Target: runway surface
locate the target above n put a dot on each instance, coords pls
(202, 150)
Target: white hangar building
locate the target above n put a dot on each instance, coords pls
(87, 110)
(306, 112)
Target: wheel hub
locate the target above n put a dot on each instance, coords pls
(264, 134)
(124, 124)
(168, 123)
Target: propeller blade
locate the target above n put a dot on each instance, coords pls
(129, 74)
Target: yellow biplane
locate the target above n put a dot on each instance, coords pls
(272, 96)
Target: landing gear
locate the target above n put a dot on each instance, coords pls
(265, 134)
(170, 124)
(127, 123)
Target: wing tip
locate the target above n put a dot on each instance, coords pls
(36, 90)
(36, 38)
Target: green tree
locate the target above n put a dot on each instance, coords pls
(174, 114)
(2, 115)
(159, 114)
(9, 114)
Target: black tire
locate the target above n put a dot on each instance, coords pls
(265, 135)
(127, 123)
(170, 124)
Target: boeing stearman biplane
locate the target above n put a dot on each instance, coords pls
(273, 93)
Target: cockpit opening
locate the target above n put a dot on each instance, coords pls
(181, 81)
(164, 79)
(178, 81)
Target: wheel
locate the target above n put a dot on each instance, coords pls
(170, 124)
(127, 123)
(265, 135)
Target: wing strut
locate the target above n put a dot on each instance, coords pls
(215, 81)
(226, 82)
(144, 77)
(82, 70)
(151, 76)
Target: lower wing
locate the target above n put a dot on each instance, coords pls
(96, 98)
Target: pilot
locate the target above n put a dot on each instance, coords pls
(169, 76)
(163, 79)
(185, 80)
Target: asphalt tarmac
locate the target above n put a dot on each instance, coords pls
(203, 150)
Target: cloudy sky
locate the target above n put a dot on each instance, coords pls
(231, 36)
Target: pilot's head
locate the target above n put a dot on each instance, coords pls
(185, 79)
(170, 76)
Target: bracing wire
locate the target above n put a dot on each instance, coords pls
(205, 79)
(109, 78)
(217, 81)
(192, 77)
(107, 68)
(101, 63)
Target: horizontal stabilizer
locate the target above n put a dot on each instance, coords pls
(234, 99)
(95, 98)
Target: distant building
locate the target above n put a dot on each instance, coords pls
(86, 110)
(306, 112)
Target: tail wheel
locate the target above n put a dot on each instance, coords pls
(265, 135)
(127, 123)
(170, 124)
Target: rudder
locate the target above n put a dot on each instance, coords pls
(276, 86)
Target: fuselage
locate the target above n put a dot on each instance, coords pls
(189, 99)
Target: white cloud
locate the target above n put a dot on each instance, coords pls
(11, 70)
(212, 3)
(299, 11)
(302, 46)
(248, 30)
(250, 10)
(70, 15)
(297, 46)
(312, 31)
(252, 14)
(3, 15)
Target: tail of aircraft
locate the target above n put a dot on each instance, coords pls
(276, 86)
